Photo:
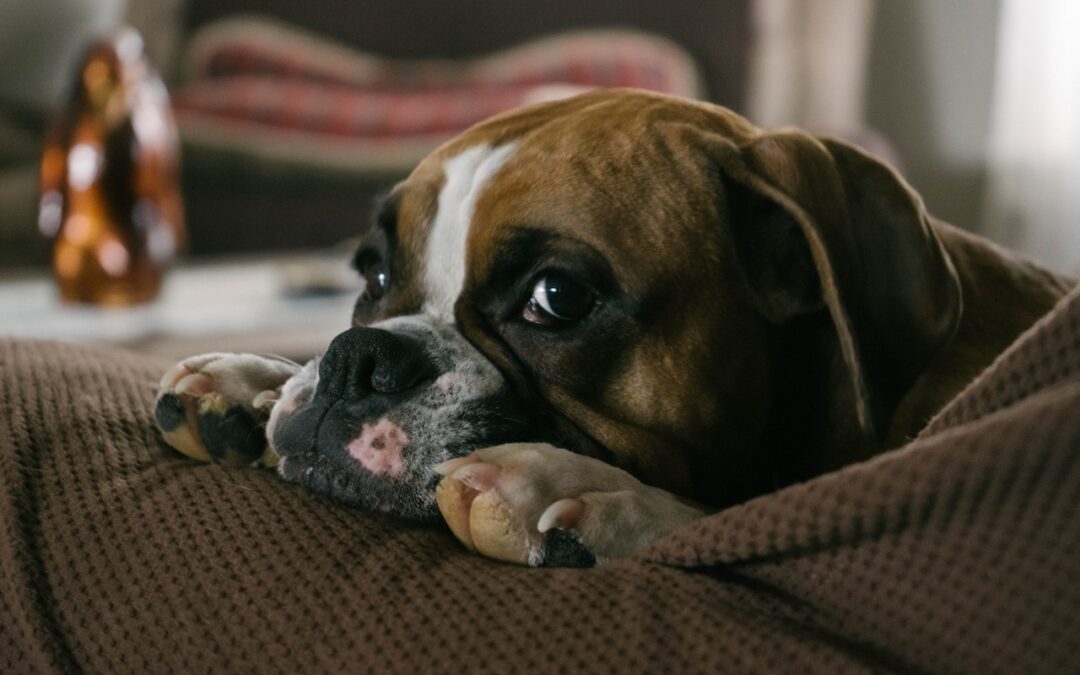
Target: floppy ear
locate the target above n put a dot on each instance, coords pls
(817, 221)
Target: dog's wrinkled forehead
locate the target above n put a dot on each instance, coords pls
(580, 167)
(465, 176)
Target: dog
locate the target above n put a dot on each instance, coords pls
(587, 323)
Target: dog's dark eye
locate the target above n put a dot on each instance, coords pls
(558, 299)
(376, 279)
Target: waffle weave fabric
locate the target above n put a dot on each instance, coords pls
(957, 553)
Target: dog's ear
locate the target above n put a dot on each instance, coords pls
(818, 222)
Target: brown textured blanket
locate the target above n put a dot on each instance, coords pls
(957, 553)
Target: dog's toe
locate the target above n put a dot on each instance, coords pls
(230, 433)
(562, 545)
(169, 413)
(177, 419)
(214, 407)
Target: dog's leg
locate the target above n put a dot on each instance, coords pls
(214, 407)
(536, 504)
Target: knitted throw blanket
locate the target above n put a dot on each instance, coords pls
(957, 553)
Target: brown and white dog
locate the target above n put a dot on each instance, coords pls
(698, 310)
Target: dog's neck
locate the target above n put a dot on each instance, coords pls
(1002, 295)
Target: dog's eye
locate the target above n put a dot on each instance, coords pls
(376, 279)
(558, 299)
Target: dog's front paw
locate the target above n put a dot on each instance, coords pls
(539, 505)
(214, 407)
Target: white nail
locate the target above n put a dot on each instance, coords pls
(264, 398)
(478, 475)
(563, 514)
(174, 375)
(195, 384)
(450, 466)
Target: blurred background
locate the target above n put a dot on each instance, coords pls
(293, 116)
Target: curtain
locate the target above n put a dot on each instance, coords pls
(809, 63)
(1033, 182)
(808, 69)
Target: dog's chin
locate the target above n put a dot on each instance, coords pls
(412, 498)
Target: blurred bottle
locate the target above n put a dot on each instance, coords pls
(110, 195)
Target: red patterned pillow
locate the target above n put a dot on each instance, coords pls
(280, 90)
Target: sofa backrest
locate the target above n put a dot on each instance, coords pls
(717, 33)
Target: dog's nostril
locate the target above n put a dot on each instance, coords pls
(362, 371)
(371, 359)
(392, 376)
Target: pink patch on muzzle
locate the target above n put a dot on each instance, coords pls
(378, 448)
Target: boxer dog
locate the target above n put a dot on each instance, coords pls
(587, 323)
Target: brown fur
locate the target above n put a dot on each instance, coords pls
(1003, 295)
(790, 306)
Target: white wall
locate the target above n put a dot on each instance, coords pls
(930, 90)
(40, 40)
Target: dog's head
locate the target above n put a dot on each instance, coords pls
(619, 273)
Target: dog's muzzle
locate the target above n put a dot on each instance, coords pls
(366, 423)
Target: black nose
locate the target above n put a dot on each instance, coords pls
(365, 360)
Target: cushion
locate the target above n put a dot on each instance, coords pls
(252, 82)
(959, 552)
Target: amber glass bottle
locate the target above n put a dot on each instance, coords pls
(110, 197)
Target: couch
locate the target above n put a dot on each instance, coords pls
(959, 552)
(239, 199)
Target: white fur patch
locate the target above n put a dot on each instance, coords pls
(466, 175)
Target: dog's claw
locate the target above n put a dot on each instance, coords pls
(195, 384)
(563, 514)
(479, 476)
(174, 375)
(451, 465)
(265, 399)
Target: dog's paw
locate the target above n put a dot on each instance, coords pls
(214, 407)
(539, 505)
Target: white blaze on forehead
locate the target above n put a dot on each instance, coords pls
(466, 175)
